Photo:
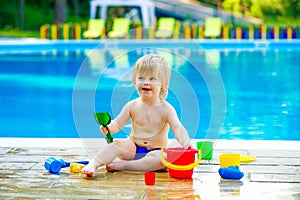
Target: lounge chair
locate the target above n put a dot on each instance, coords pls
(165, 27)
(120, 28)
(95, 28)
(212, 27)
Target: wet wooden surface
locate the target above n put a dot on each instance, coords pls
(274, 175)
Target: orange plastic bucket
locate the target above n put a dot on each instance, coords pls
(180, 161)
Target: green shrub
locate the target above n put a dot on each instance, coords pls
(8, 16)
(35, 17)
(271, 8)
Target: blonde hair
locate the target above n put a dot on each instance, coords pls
(155, 65)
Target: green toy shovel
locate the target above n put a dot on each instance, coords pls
(103, 118)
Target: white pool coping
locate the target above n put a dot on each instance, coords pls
(99, 142)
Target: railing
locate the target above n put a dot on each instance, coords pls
(181, 31)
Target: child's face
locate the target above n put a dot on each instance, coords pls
(148, 86)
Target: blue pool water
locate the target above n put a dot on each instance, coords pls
(220, 89)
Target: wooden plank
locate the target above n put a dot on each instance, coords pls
(275, 178)
(17, 166)
(22, 175)
(39, 158)
(207, 168)
(276, 154)
(294, 161)
(49, 151)
(72, 193)
(269, 169)
(4, 150)
(282, 161)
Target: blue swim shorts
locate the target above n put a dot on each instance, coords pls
(142, 151)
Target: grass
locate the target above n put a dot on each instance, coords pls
(282, 21)
(18, 33)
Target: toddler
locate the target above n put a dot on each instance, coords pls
(151, 118)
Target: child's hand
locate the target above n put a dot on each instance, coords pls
(187, 145)
(103, 130)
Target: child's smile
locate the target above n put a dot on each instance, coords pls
(146, 89)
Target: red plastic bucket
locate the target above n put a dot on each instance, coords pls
(180, 161)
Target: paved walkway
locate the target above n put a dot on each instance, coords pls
(274, 175)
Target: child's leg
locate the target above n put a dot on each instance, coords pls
(124, 149)
(151, 162)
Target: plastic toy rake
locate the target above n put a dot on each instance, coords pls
(103, 118)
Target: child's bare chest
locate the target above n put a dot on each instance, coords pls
(153, 116)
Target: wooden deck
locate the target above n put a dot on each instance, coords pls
(274, 175)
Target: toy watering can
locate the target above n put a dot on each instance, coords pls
(103, 118)
(180, 162)
(54, 166)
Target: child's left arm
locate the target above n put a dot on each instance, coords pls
(177, 128)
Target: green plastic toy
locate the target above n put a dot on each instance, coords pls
(103, 118)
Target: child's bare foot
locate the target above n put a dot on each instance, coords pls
(116, 166)
(89, 170)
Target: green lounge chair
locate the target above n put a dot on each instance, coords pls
(165, 27)
(120, 28)
(95, 28)
(212, 27)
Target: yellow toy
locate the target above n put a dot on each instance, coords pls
(247, 158)
(76, 167)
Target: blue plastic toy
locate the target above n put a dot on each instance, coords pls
(54, 166)
(232, 172)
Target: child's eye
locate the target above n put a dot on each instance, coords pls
(140, 78)
(152, 79)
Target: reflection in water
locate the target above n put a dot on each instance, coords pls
(257, 84)
(230, 187)
(213, 58)
(172, 189)
(262, 90)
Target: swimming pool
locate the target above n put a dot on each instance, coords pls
(220, 89)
